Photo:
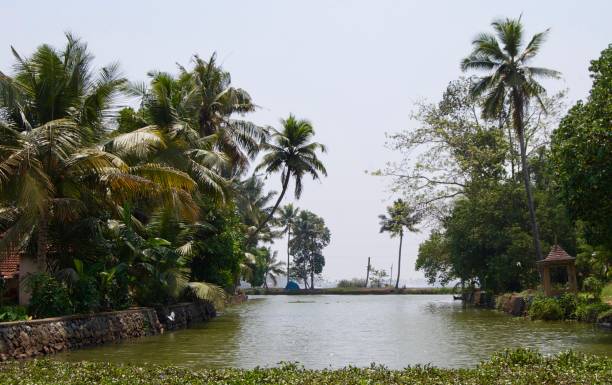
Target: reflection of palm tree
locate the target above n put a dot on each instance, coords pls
(272, 268)
(286, 215)
(294, 155)
(510, 77)
(401, 216)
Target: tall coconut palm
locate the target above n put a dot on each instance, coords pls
(294, 155)
(510, 79)
(48, 175)
(170, 134)
(51, 169)
(216, 102)
(399, 216)
(55, 84)
(254, 205)
(286, 216)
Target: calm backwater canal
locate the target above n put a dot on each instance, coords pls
(335, 331)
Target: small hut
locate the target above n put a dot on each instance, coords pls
(558, 259)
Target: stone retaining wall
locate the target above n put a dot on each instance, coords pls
(24, 339)
(182, 315)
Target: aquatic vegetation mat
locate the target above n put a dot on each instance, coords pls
(510, 367)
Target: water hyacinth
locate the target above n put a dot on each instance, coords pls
(510, 367)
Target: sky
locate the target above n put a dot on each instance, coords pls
(353, 68)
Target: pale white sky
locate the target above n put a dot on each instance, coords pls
(354, 68)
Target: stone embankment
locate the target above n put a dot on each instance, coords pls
(25, 339)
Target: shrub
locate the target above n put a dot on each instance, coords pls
(85, 295)
(568, 303)
(350, 283)
(13, 313)
(50, 297)
(593, 286)
(588, 312)
(547, 309)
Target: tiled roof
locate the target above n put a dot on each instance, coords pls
(9, 265)
(557, 254)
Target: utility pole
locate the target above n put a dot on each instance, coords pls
(391, 275)
(367, 273)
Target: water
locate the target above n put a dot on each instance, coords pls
(335, 331)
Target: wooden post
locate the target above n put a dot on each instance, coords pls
(367, 273)
(546, 279)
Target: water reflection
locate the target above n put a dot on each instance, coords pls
(335, 331)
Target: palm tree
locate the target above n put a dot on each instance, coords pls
(48, 176)
(286, 216)
(294, 155)
(510, 78)
(52, 85)
(253, 205)
(170, 135)
(214, 100)
(400, 216)
(51, 169)
(272, 268)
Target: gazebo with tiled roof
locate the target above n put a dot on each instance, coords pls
(558, 258)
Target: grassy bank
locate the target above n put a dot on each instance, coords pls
(351, 290)
(515, 367)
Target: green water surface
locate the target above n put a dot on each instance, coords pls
(334, 331)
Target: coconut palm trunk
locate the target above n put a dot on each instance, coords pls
(517, 118)
(278, 202)
(399, 259)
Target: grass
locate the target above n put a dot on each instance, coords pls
(351, 291)
(511, 367)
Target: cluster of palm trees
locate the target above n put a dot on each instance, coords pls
(510, 81)
(71, 162)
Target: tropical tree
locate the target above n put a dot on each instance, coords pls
(49, 177)
(272, 268)
(510, 77)
(294, 155)
(311, 236)
(55, 84)
(165, 131)
(51, 170)
(582, 155)
(253, 205)
(217, 101)
(286, 217)
(203, 104)
(400, 216)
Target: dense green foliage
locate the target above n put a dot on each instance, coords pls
(582, 150)
(516, 367)
(566, 307)
(144, 206)
(13, 313)
(310, 237)
(488, 147)
(547, 309)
